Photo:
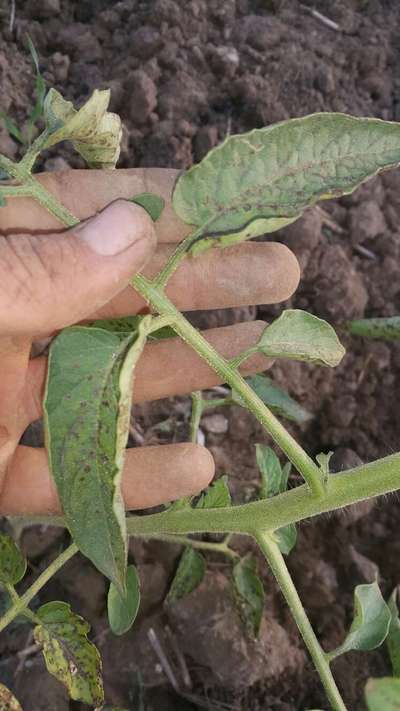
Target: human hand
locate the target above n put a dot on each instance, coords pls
(50, 279)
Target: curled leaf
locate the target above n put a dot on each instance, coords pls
(299, 335)
(68, 654)
(12, 562)
(122, 609)
(189, 575)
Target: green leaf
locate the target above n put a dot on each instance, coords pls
(68, 654)
(189, 575)
(273, 480)
(383, 694)
(11, 127)
(127, 324)
(299, 335)
(371, 621)
(276, 399)
(387, 329)
(286, 538)
(12, 562)
(216, 496)
(8, 702)
(122, 609)
(87, 410)
(259, 181)
(249, 594)
(153, 204)
(95, 133)
(323, 461)
(393, 638)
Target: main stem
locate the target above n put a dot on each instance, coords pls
(278, 566)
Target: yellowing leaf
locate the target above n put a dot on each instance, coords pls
(8, 702)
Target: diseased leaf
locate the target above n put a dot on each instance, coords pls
(12, 562)
(68, 654)
(153, 204)
(216, 496)
(273, 480)
(383, 694)
(94, 132)
(393, 638)
(286, 538)
(299, 335)
(276, 399)
(371, 621)
(249, 594)
(87, 410)
(189, 575)
(122, 610)
(8, 702)
(387, 329)
(259, 181)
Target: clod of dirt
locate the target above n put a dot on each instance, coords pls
(209, 630)
(43, 9)
(142, 94)
(216, 424)
(366, 222)
(37, 689)
(146, 41)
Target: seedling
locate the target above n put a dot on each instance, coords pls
(249, 185)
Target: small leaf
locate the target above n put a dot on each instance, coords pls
(12, 128)
(189, 575)
(12, 562)
(185, 502)
(323, 461)
(276, 399)
(259, 181)
(388, 329)
(272, 477)
(371, 621)
(299, 335)
(383, 694)
(153, 204)
(8, 702)
(249, 594)
(94, 132)
(393, 638)
(68, 654)
(286, 538)
(87, 410)
(122, 610)
(216, 496)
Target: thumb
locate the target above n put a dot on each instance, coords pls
(51, 281)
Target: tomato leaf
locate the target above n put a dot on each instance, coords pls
(87, 409)
(371, 621)
(216, 496)
(122, 609)
(8, 702)
(275, 398)
(383, 694)
(68, 654)
(249, 594)
(260, 181)
(189, 575)
(12, 562)
(393, 638)
(274, 480)
(153, 204)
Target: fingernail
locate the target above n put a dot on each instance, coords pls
(116, 228)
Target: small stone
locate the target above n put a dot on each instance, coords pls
(60, 64)
(145, 42)
(142, 96)
(225, 60)
(215, 424)
(57, 163)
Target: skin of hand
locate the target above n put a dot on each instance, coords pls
(51, 278)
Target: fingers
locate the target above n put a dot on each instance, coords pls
(169, 367)
(50, 281)
(85, 192)
(152, 476)
(246, 274)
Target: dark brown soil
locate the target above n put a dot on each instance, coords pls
(183, 76)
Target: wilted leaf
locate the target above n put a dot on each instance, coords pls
(153, 204)
(387, 329)
(371, 621)
(68, 654)
(383, 694)
(216, 496)
(122, 609)
(87, 411)
(8, 702)
(249, 594)
(190, 573)
(273, 481)
(12, 562)
(393, 638)
(259, 181)
(94, 132)
(276, 399)
(299, 335)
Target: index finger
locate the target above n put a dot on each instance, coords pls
(85, 192)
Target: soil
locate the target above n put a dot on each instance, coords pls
(184, 76)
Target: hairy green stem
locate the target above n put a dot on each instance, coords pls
(185, 541)
(278, 566)
(21, 603)
(174, 261)
(197, 411)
